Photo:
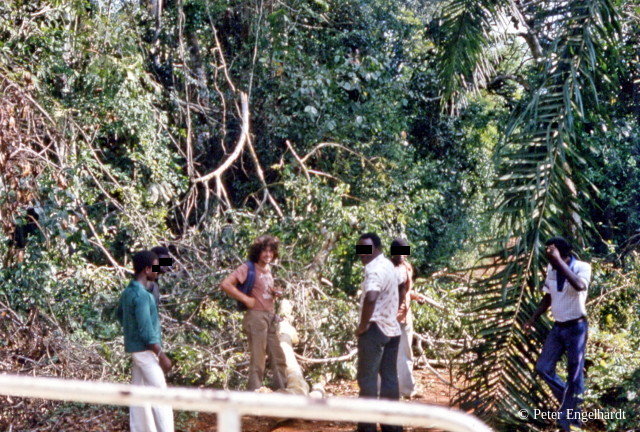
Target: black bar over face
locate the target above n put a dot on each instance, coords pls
(400, 250)
(155, 268)
(166, 261)
(364, 249)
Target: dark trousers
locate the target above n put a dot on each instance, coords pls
(377, 355)
(571, 339)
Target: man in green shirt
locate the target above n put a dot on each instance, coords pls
(138, 314)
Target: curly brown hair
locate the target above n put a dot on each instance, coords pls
(262, 243)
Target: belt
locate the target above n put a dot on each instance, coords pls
(571, 322)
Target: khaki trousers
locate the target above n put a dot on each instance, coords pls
(146, 371)
(261, 328)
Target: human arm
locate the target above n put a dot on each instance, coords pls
(367, 311)
(142, 310)
(409, 283)
(543, 306)
(165, 362)
(120, 313)
(276, 290)
(577, 282)
(372, 286)
(420, 298)
(416, 296)
(229, 286)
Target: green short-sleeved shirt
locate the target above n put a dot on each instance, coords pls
(138, 314)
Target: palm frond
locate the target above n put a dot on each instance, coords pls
(465, 56)
(539, 175)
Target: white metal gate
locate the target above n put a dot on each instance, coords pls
(230, 406)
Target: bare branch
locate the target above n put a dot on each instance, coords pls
(529, 35)
(239, 146)
(267, 194)
(295, 155)
(345, 357)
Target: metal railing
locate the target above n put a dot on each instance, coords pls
(230, 405)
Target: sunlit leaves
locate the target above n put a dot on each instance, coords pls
(465, 47)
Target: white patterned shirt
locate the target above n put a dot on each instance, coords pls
(568, 304)
(380, 275)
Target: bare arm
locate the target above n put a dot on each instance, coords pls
(544, 305)
(412, 294)
(228, 285)
(165, 362)
(416, 296)
(560, 265)
(573, 279)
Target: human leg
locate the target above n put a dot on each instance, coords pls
(389, 377)
(546, 366)
(388, 370)
(575, 338)
(370, 350)
(406, 382)
(153, 376)
(277, 358)
(140, 417)
(255, 325)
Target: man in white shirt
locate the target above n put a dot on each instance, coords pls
(379, 331)
(565, 291)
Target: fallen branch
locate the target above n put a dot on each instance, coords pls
(440, 377)
(601, 297)
(327, 360)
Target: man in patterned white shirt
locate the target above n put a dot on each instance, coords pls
(565, 291)
(378, 332)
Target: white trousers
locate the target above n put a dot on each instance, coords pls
(146, 371)
(406, 383)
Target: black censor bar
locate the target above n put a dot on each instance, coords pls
(400, 250)
(163, 262)
(364, 249)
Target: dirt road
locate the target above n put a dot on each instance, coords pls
(432, 391)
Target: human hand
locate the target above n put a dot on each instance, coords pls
(276, 292)
(250, 302)
(527, 327)
(362, 328)
(553, 254)
(165, 362)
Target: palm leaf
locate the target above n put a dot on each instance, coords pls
(539, 175)
(465, 52)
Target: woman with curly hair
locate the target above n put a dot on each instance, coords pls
(260, 322)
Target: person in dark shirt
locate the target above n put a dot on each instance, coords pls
(138, 314)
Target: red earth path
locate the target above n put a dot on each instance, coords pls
(431, 391)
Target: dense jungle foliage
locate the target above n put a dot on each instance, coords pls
(476, 129)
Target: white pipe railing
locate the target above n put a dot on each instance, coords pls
(230, 406)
